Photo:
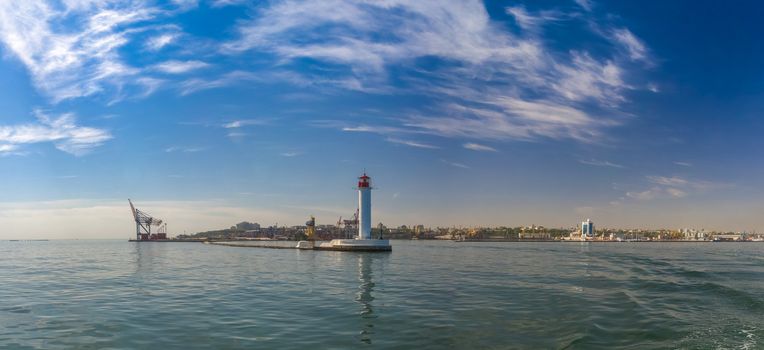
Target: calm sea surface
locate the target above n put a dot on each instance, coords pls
(434, 295)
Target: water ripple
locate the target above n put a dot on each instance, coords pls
(429, 295)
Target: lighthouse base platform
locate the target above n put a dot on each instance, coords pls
(356, 245)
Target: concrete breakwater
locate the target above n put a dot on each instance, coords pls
(334, 245)
(257, 244)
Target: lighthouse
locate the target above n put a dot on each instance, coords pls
(364, 207)
(364, 242)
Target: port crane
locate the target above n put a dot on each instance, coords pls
(310, 228)
(143, 223)
(348, 226)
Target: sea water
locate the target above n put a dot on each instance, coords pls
(422, 295)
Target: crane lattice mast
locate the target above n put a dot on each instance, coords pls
(143, 223)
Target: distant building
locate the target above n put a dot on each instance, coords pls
(247, 226)
(534, 235)
(692, 234)
(727, 237)
(587, 229)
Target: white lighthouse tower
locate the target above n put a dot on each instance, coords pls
(364, 207)
(364, 242)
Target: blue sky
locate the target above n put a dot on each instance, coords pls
(209, 112)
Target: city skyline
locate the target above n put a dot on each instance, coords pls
(499, 113)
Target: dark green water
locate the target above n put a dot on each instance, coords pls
(423, 295)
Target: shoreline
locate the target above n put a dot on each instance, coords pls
(239, 241)
(594, 241)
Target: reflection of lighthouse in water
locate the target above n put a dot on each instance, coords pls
(364, 297)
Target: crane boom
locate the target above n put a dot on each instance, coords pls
(143, 223)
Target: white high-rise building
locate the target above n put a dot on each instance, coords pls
(587, 228)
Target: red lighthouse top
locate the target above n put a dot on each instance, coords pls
(364, 181)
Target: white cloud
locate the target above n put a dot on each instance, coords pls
(510, 118)
(223, 3)
(668, 181)
(186, 4)
(589, 79)
(81, 61)
(158, 42)
(290, 154)
(676, 193)
(502, 84)
(180, 67)
(6, 148)
(635, 47)
(243, 122)
(530, 21)
(685, 164)
(645, 195)
(454, 164)
(184, 149)
(411, 143)
(601, 163)
(150, 85)
(585, 4)
(372, 129)
(479, 147)
(493, 81)
(199, 84)
(62, 131)
(675, 187)
(657, 192)
(237, 136)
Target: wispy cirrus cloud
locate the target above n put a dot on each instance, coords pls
(223, 3)
(62, 131)
(455, 164)
(185, 4)
(657, 192)
(244, 122)
(411, 143)
(8, 148)
(688, 183)
(585, 4)
(180, 67)
(77, 62)
(478, 147)
(675, 187)
(193, 85)
(668, 181)
(492, 83)
(648, 194)
(485, 80)
(529, 21)
(509, 118)
(377, 129)
(634, 46)
(158, 42)
(600, 163)
(182, 149)
(75, 49)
